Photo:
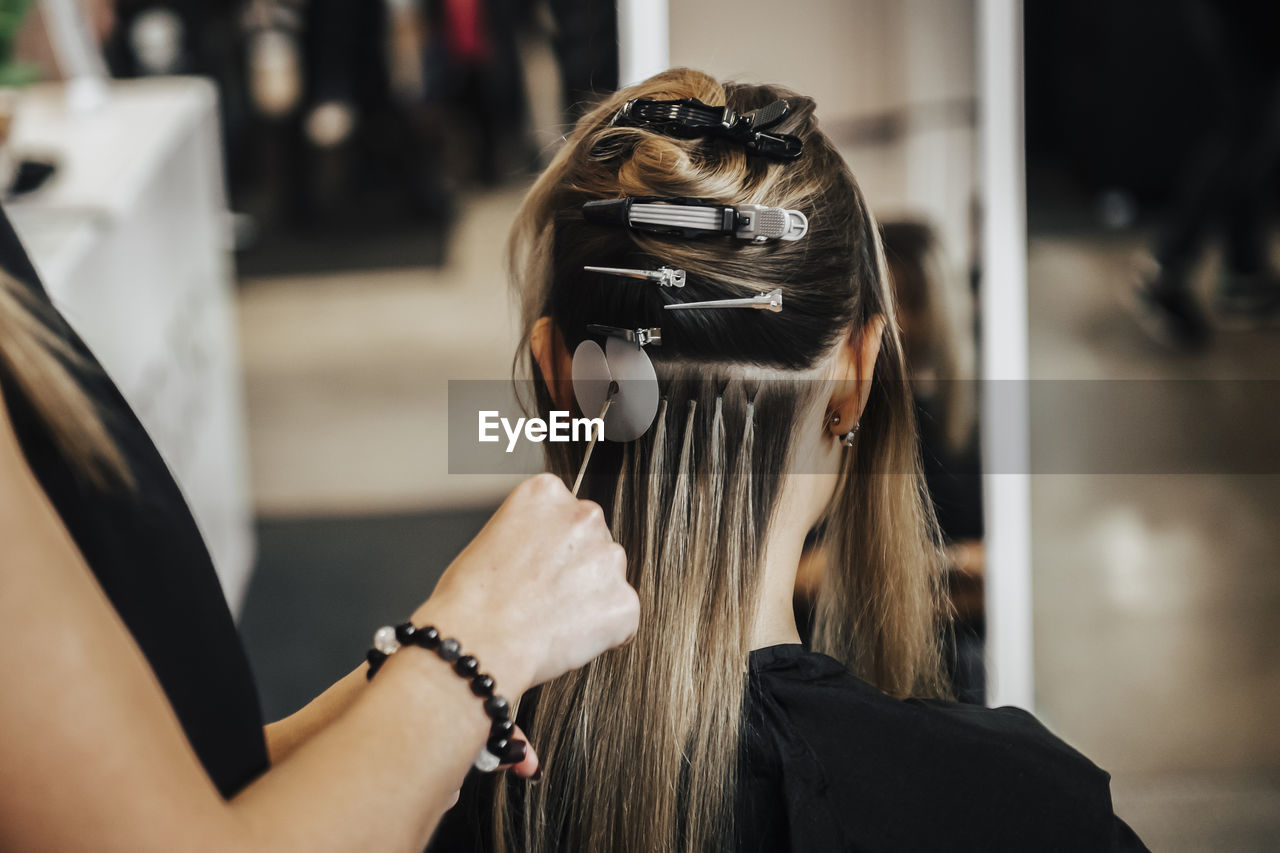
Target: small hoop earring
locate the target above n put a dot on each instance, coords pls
(847, 438)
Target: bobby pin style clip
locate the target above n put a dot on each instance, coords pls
(665, 276)
(771, 301)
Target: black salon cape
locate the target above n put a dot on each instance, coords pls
(832, 764)
(145, 551)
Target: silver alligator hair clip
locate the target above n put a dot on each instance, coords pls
(771, 301)
(665, 276)
(756, 223)
(692, 218)
(640, 337)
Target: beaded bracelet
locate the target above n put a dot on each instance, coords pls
(388, 640)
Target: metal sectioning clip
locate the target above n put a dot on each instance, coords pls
(665, 276)
(689, 118)
(696, 217)
(771, 301)
(640, 337)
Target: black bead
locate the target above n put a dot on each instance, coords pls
(497, 745)
(502, 728)
(375, 657)
(449, 650)
(515, 752)
(405, 632)
(482, 685)
(497, 708)
(428, 637)
(467, 666)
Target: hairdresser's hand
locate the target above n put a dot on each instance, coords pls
(540, 591)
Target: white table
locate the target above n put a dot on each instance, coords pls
(130, 237)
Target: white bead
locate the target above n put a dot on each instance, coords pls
(486, 761)
(384, 640)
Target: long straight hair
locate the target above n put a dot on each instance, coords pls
(641, 746)
(40, 363)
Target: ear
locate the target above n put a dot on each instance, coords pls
(553, 360)
(855, 366)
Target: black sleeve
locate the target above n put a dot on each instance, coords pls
(1126, 840)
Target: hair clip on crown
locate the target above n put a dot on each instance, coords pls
(689, 118)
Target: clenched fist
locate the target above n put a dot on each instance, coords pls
(540, 591)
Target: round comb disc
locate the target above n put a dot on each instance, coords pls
(591, 378)
(636, 401)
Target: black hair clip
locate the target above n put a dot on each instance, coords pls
(696, 217)
(689, 118)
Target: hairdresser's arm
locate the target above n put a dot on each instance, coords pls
(286, 735)
(93, 758)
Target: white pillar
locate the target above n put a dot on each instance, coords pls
(77, 54)
(644, 47)
(1005, 414)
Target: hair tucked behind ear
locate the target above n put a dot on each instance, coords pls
(640, 746)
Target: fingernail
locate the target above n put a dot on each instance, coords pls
(515, 752)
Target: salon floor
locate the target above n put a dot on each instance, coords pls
(1156, 595)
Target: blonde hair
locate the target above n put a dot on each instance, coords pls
(641, 746)
(40, 363)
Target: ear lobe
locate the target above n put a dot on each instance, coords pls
(553, 360)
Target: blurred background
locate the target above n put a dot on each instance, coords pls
(280, 223)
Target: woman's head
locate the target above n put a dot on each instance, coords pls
(753, 404)
(830, 278)
(836, 302)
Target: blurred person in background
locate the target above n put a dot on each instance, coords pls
(715, 729)
(475, 85)
(364, 120)
(935, 314)
(586, 46)
(1228, 184)
(129, 719)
